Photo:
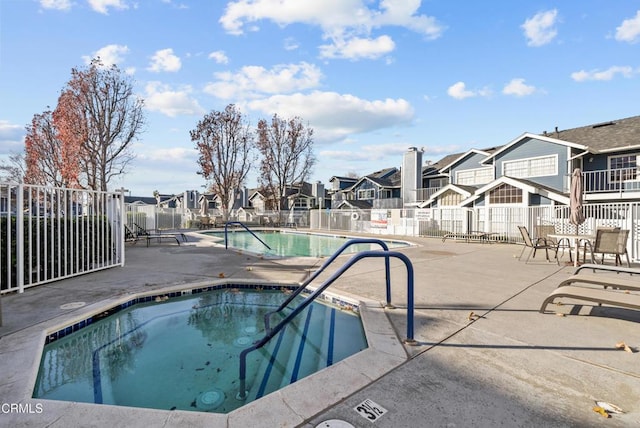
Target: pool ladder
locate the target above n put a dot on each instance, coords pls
(226, 227)
(271, 332)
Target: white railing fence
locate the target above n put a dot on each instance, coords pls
(501, 222)
(52, 233)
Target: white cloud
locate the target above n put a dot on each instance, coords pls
(518, 88)
(540, 29)
(56, 4)
(629, 30)
(110, 55)
(290, 44)
(219, 57)
(346, 23)
(164, 60)
(11, 137)
(253, 80)
(459, 91)
(161, 98)
(174, 154)
(608, 74)
(356, 48)
(102, 6)
(334, 116)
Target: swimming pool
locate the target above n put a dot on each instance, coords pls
(288, 243)
(179, 351)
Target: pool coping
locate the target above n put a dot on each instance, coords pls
(289, 406)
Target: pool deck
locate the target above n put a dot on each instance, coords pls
(484, 356)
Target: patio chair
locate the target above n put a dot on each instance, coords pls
(609, 241)
(538, 244)
(205, 222)
(543, 231)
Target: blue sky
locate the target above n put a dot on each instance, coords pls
(371, 77)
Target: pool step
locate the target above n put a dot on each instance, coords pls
(299, 352)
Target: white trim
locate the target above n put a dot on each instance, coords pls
(536, 137)
(475, 170)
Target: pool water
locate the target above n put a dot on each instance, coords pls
(284, 243)
(182, 353)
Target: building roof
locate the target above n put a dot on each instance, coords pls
(602, 137)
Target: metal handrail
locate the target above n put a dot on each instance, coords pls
(226, 227)
(330, 260)
(242, 392)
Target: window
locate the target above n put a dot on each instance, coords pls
(438, 182)
(450, 198)
(385, 194)
(623, 168)
(365, 194)
(532, 167)
(505, 194)
(474, 176)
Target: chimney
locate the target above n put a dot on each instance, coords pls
(411, 174)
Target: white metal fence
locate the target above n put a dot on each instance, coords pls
(52, 233)
(501, 222)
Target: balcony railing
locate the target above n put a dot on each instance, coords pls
(424, 194)
(609, 181)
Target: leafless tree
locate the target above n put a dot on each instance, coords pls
(97, 118)
(224, 141)
(286, 148)
(13, 169)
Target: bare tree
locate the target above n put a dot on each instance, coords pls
(13, 169)
(97, 118)
(287, 158)
(224, 141)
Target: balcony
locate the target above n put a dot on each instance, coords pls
(623, 180)
(424, 194)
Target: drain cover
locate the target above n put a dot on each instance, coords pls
(73, 305)
(334, 423)
(210, 400)
(242, 341)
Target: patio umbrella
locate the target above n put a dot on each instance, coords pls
(576, 216)
(204, 207)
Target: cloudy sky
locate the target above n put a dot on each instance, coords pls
(372, 78)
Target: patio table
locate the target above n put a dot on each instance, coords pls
(575, 238)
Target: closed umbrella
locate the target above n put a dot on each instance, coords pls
(204, 207)
(576, 216)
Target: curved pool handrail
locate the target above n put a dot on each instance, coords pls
(326, 264)
(226, 227)
(242, 392)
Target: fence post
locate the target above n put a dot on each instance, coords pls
(20, 237)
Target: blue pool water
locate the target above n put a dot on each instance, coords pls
(285, 243)
(182, 352)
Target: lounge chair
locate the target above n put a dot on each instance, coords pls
(142, 232)
(610, 294)
(469, 236)
(539, 244)
(605, 278)
(597, 295)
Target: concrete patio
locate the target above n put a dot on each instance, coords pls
(484, 356)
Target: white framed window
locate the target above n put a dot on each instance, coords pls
(365, 194)
(472, 177)
(541, 166)
(438, 182)
(624, 167)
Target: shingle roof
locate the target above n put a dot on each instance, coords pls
(616, 134)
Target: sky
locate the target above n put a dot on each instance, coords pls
(372, 78)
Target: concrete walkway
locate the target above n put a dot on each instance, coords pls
(485, 356)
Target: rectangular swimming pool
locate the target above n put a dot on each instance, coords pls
(294, 244)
